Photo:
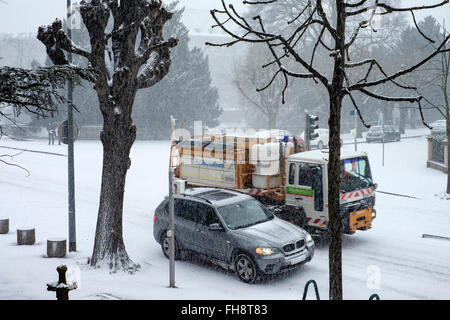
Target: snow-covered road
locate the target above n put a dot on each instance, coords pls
(391, 259)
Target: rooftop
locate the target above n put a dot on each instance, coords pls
(216, 196)
(322, 156)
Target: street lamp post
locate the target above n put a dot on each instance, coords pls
(172, 231)
(70, 153)
(356, 130)
(382, 134)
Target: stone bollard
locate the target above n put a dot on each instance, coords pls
(56, 247)
(61, 287)
(26, 236)
(4, 226)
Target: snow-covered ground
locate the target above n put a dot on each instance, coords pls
(392, 255)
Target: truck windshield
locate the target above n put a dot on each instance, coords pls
(244, 214)
(355, 174)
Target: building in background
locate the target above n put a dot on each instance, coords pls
(22, 49)
(198, 20)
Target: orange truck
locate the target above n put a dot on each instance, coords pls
(279, 173)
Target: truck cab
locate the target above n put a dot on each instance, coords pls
(307, 184)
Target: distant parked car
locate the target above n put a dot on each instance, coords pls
(439, 126)
(378, 133)
(234, 231)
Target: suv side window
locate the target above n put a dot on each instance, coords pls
(187, 209)
(208, 214)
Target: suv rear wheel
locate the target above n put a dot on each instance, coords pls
(165, 243)
(246, 270)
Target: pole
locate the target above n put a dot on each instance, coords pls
(307, 133)
(356, 130)
(70, 153)
(382, 134)
(171, 232)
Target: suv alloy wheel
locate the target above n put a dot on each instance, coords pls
(245, 268)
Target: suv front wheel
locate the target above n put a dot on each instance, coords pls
(245, 268)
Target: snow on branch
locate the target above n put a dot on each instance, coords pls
(37, 90)
(56, 40)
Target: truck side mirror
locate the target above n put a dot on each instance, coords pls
(375, 185)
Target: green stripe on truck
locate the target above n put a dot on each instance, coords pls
(300, 191)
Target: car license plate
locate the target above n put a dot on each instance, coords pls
(298, 259)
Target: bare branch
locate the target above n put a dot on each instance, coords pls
(418, 28)
(400, 73)
(13, 164)
(389, 9)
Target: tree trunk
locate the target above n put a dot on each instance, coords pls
(447, 112)
(117, 138)
(412, 119)
(401, 126)
(446, 64)
(334, 164)
(448, 154)
(334, 213)
(358, 128)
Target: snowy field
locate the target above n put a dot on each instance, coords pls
(391, 259)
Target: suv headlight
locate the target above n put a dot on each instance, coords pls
(266, 251)
(308, 238)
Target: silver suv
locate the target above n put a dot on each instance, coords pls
(235, 231)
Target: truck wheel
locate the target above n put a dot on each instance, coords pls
(165, 247)
(320, 145)
(246, 270)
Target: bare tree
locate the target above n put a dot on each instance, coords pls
(250, 79)
(131, 56)
(337, 36)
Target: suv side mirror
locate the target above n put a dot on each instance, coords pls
(215, 227)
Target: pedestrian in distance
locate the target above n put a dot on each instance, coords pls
(56, 125)
(51, 133)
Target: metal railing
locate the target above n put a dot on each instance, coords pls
(316, 290)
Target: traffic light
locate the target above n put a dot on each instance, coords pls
(313, 125)
(310, 126)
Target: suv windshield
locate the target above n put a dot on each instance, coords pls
(355, 174)
(244, 214)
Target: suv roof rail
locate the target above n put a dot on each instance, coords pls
(195, 196)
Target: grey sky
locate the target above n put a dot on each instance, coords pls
(23, 16)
